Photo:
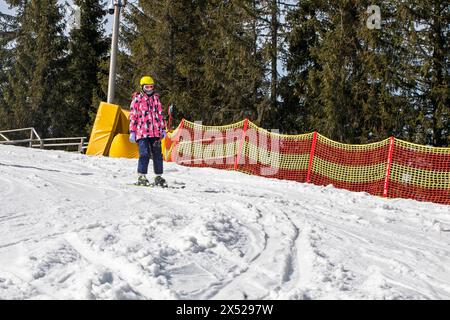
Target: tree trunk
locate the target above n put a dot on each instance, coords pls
(274, 54)
(438, 72)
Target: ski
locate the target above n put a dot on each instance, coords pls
(152, 185)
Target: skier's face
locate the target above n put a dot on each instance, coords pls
(148, 88)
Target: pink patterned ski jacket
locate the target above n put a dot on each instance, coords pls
(146, 116)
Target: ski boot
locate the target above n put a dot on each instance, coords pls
(142, 181)
(160, 182)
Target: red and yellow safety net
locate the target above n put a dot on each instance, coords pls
(390, 168)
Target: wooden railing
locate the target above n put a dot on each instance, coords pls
(35, 140)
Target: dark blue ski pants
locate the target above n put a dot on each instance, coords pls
(147, 147)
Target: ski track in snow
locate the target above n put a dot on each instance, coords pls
(71, 228)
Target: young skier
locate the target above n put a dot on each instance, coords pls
(147, 128)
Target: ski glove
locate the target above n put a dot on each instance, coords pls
(133, 137)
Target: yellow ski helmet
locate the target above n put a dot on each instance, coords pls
(147, 80)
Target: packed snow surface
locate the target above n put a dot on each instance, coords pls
(72, 227)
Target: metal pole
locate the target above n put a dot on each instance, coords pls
(31, 138)
(114, 48)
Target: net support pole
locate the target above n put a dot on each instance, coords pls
(311, 157)
(241, 145)
(388, 167)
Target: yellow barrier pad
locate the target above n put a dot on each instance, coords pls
(121, 147)
(124, 122)
(104, 129)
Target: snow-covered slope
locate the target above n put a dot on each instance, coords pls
(72, 228)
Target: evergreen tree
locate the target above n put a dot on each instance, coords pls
(427, 68)
(134, 54)
(300, 107)
(385, 108)
(88, 48)
(341, 73)
(233, 65)
(35, 92)
(274, 37)
(157, 39)
(269, 37)
(345, 81)
(8, 24)
(206, 62)
(358, 85)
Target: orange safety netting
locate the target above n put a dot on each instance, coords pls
(390, 168)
